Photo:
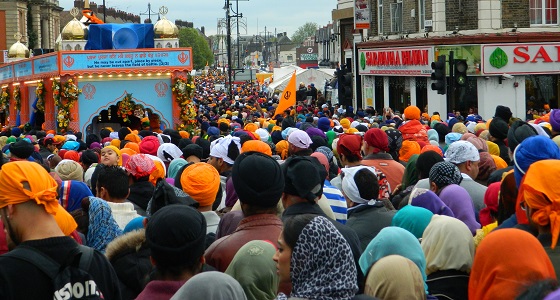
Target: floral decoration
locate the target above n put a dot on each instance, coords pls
(40, 93)
(65, 95)
(126, 107)
(5, 99)
(17, 97)
(184, 89)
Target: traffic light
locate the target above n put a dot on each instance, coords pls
(439, 75)
(347, 82)
(460, 72)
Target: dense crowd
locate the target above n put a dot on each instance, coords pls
(317, 202)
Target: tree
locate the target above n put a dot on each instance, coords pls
(304, 31)
(202, 54)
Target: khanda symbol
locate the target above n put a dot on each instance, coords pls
(287, 95)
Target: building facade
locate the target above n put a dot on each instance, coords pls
(511, 47)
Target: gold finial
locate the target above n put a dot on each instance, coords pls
(86, 4)
(163, 11)
(18, 37)
(74, 12)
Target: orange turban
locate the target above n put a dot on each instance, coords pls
(128, 151)
(542, 195)
(133, 146)
(435, 118)
(426, 116)
(434, 148)
(258, 146)
(184, 134)
(116, 143)
(159, 172)
(42, 187)
(408, 149)
(65, 221)
(132, 138)
(412, 113)
(282, 148)
(500, 162)
(252, 127)
(201, 181)
(345, 123)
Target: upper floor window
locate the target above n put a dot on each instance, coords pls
(380, 16)
(543, 12)
(396, 16)
(421, 13)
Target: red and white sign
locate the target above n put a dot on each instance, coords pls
(414, 61)
(538, 58)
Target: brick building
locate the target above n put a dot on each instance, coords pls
(510, 47)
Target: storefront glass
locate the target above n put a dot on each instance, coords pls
(465, 98)
(541, 90)
(399, 97)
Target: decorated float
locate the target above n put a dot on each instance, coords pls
(103, 75)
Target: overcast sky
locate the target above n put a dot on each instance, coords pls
(284, 15)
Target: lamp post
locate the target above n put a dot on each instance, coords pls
(228, 45)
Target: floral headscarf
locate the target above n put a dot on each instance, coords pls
(322, 265)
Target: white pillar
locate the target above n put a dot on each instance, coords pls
(438, 16)
(412, 86)
(386, 92)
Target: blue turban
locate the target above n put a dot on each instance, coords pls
(531, 150)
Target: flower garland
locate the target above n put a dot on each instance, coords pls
(40, 93)
(5, 99)
(17, 98)
(64, 97)
(126, 107)
(184, 89)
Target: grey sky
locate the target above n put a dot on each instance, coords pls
(284, 15)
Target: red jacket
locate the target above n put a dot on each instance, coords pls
(257, 227)
(413, 130)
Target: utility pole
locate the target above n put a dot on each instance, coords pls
(228, 44)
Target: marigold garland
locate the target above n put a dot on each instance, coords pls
(17, 98)
(64, 97)
(184, 89)
(40, 93)
(5, 99)
(126, 107)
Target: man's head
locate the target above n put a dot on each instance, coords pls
(112, 184)
(21, 150)
(175, 235)
(304, 177)
(299, 142)
(375, 141)
(359, 185)
(201, 181)
(223, 153)
(465, 156)
(258, 181)
(192, 153)
(50, 144)
(348, 148)
(28, 199)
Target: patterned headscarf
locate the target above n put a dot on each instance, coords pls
(322, 266)
(71, 193)
(444, 174)
(395, 142)
(102, 228)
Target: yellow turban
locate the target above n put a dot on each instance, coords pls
(116, 143)
(282, 148)
(493, 148)
(201, 181)
(23, 181)
(252, 127)
(345, 123)
(116, 149)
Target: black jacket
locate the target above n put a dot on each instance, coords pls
(348, 233)
(140, 194)
(368, 220)
(449, 285)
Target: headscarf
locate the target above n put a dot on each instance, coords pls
(395, 142)
(211, 285)
(430, 201)
(460, 202)
(315, 272)
(258, 146)
(72, 193)
(448, 245)
(444, 174)
(42, 187)
(394, 241)
(349, 186)
(102, 228)
(491, 202)
(452, 137)
(433, 135)
(140, 165)
(493, 148)
(282, 149)
(507, 261)
(395, 277)
(531, 150)
(408, 149)
(539, 191)
(410, 176)
(486, 166)
(459, 128)
(412, 218)
(174, 167)
(255, 270)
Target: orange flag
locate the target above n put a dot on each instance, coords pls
(288, 97)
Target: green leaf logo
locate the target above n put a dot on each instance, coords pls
(498, 58)
(363, 61)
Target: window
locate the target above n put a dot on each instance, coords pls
(543, 12)
(380, 16)
(396, 17)
(421, 13)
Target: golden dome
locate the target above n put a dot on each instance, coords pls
(74, 30)
(18, 50)
(165, 29)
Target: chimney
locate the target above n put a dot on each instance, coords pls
(79, 4)
(93, 7)
(285, 33)
(202, 30)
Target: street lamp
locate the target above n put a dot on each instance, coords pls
(228, 45)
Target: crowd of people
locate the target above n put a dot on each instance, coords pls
(318, 202)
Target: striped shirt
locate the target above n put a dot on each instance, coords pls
(337, 202)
